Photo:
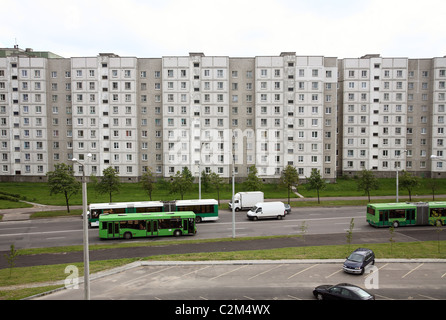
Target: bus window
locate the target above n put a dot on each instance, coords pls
(94, 214)
(397, 214)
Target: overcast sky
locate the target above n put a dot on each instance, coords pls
(235, 28)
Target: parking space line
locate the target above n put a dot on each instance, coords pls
(249, 298)
(412, 270)
(384, 297)
(303, 271)
(427, 297)
(196, 271)
(443, 275)
(259, 274)
(223, 274)
(135, 280)
(333, 273)
(293, 297)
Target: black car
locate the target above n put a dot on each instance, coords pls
(358, 260)
(342, 291)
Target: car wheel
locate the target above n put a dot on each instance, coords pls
(279, 217)
(319, 296)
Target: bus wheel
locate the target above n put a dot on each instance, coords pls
(127, 235)
(177, 233)
(438, 223)
(395, 224)
(197, 219)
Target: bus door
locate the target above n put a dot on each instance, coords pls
(410, 216)
(188, 225)
(152, 227)
(113, 230)
(383, 217)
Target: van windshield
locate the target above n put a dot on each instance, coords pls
(356, 257)
(253, 209)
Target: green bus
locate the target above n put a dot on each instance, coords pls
(406, 214)
(155, 224)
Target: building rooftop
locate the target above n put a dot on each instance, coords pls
(16, 51)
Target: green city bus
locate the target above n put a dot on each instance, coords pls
(406, 214)
(155, 224)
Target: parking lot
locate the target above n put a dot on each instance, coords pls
(256, 280)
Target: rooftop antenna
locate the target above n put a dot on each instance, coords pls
(16, 46)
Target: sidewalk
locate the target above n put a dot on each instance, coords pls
(18, 214)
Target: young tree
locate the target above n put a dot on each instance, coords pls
(315, 182)
(408, 182)
(206, 183)
(148, 182)
(181, 182)
(109, 183)
(217, 182)
(290, 179)
(350, 233)
(367, 182)
(303, 232)
(11, 258)
(433, 185)
(62, 180)
(253, 182)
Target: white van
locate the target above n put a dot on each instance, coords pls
(267, 210)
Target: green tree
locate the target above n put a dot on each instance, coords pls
(367, 182)
(315, 182)
(433, 185)
(217, 182)
(148, 182)
(290, 179)
(253, 183)
(109, 182)
(391, 240)
(350, 233)
(11, 257)
(408, 182)
(303, 232)
(206, 183)
(181, 182)
(62, 180)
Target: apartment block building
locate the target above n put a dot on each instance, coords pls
(220, 114)
(392, 115)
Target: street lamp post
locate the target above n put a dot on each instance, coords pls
(396, 167)
(85, 231)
